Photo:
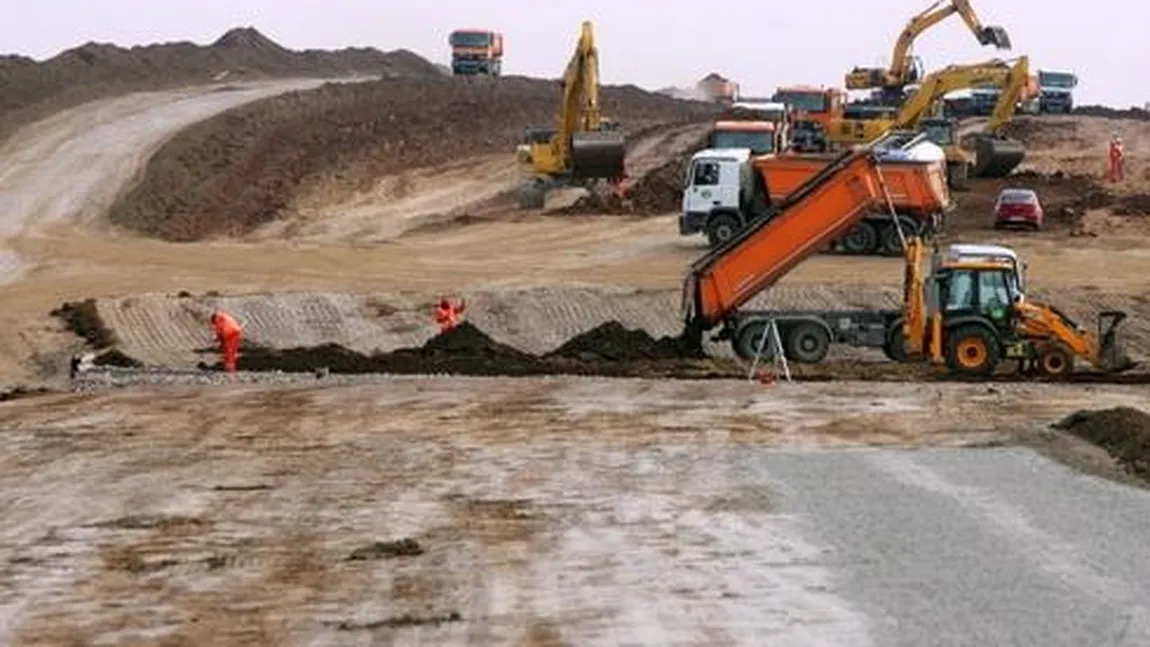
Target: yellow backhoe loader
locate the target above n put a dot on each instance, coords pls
(584, 148)
(995, 155)
(905, 69)
(972, 314)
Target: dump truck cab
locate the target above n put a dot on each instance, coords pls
(812, 109)
(476, 52)
(760, 137)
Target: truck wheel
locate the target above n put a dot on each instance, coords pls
(1053, 360)
(747, 340)
(722, 228)
(972, 350)
(808, 343)
(890, 244)
(863, 239)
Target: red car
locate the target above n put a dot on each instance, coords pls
(1018, 209)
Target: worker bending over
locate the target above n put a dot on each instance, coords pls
(1115, 159)
(228, 332)
(448, 314)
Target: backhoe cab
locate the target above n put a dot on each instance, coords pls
(972, 314)
(584, 148)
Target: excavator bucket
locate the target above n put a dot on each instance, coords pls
(598, 155)
(996, 156)
(1111, 353)
(994, 35)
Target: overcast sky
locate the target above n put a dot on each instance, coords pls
(1103, 41)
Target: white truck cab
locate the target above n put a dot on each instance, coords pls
(717, 184)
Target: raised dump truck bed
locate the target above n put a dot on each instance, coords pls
(822, 209)
(728, 189)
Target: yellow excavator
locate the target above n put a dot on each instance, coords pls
(905, 69)
(584, 148)
(972, 313)
(995, 155)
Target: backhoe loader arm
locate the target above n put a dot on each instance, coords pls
(580, 108)
(949, 79)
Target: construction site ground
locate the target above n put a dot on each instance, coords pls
(542, 510)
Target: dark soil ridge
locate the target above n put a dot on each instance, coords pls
(1124, 433)
(242, 169)
(30, 89)
(609, 350)
(83, 319)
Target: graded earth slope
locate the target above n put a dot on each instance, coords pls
(30, 90)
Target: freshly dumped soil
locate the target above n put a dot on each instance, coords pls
(30, 90)
(22, 392)
(655, 193)
(242, 169)
(116, 357)
(1123, 432)
(610, 350)
(83, 319)
(386, 549)
(615, 343)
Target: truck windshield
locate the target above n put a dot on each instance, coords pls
(470, 39)
(1057, 80)
(939, 134)
(807, 101)
(760, 143)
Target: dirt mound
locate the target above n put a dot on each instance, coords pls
(1123, 432)
(609, 350)
(30, 90)
(240, 170)
(614, 342)
(657, 192)
(83, 318)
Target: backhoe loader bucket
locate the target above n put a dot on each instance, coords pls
(996, 156)
(994, 35)
(1110, 351)
(598, 155)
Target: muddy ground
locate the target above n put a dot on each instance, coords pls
(30, 90)
(240, 170)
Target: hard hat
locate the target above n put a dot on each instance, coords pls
(444, 303)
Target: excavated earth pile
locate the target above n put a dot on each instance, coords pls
(656, 192)
(609, 350)
(1123, 432)
(30, 90)
(241, 169)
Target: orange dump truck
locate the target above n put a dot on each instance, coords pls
(728, 190)
(823, 209)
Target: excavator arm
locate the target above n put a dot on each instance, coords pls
(1013, 92)
(579, 110)
(902, 70)
(949, 79)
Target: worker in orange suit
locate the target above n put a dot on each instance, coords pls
(1115, 159)
(228, 332)
(447, 314)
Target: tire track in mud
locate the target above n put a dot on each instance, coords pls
(164, 330)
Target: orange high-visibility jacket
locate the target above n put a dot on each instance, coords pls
(225, 325)
(448, 316)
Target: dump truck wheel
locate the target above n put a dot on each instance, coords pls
(807, 343)
(1053, 360)
(972, 350)
(721, 228)
(747, 340)
(862, 239)
(889, 242)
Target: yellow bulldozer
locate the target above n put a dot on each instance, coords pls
(905, 69)
(584, 148)
(972, 314)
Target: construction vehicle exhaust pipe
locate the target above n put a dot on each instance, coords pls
(1111, 355)
(598, 155)
(996, 156)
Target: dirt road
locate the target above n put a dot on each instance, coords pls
(547, 512)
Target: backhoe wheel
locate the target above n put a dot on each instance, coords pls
(973, 351)
(863, 239)
(1053, 360)
(807, 343)
(722, 228)
(895, 346)
(750, 336)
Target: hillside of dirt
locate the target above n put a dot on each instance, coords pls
(30, 89)
(229, 175)
(1123, 432)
